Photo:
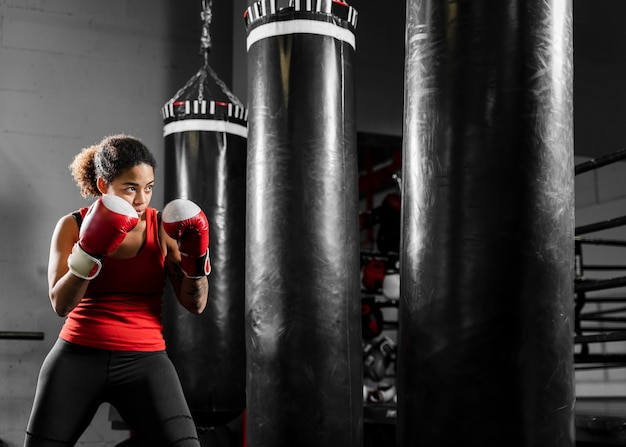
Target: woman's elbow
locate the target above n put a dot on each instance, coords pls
(196, 307)
(61, 307)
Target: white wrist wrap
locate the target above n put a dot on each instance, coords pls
(82, 264)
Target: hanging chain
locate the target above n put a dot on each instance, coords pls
(200, 78)
(206, 15)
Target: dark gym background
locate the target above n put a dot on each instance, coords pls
(73, 71)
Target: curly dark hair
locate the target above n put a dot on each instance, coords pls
(108, 159)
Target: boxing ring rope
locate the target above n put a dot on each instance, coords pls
(602, 225)
(602, 325)
(599, 162)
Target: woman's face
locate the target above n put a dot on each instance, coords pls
(133, 185)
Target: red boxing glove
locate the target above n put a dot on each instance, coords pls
(103, 229)
(184, 221)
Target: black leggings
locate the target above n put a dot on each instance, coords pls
(142, 386)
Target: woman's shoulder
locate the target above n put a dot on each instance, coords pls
(68, 226)
(75, 217)
(73, 220)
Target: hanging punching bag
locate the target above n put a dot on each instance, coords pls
(303, 335)
(205, 134)
(486, 309)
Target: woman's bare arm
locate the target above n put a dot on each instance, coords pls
(192, 293)
(64, 289)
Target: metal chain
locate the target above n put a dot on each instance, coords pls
(207, 16)
(200, 78)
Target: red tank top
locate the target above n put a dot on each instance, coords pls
(121, 309)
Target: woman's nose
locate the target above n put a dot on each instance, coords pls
(139, 198)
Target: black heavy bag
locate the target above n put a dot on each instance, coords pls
(205, 161)
(486, 311)
(303, 333)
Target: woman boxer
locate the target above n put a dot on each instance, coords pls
(106, 274)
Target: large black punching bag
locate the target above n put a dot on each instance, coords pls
(205, 134)
(486, 312)
(304, 372)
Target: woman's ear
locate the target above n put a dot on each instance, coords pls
(103, 186)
